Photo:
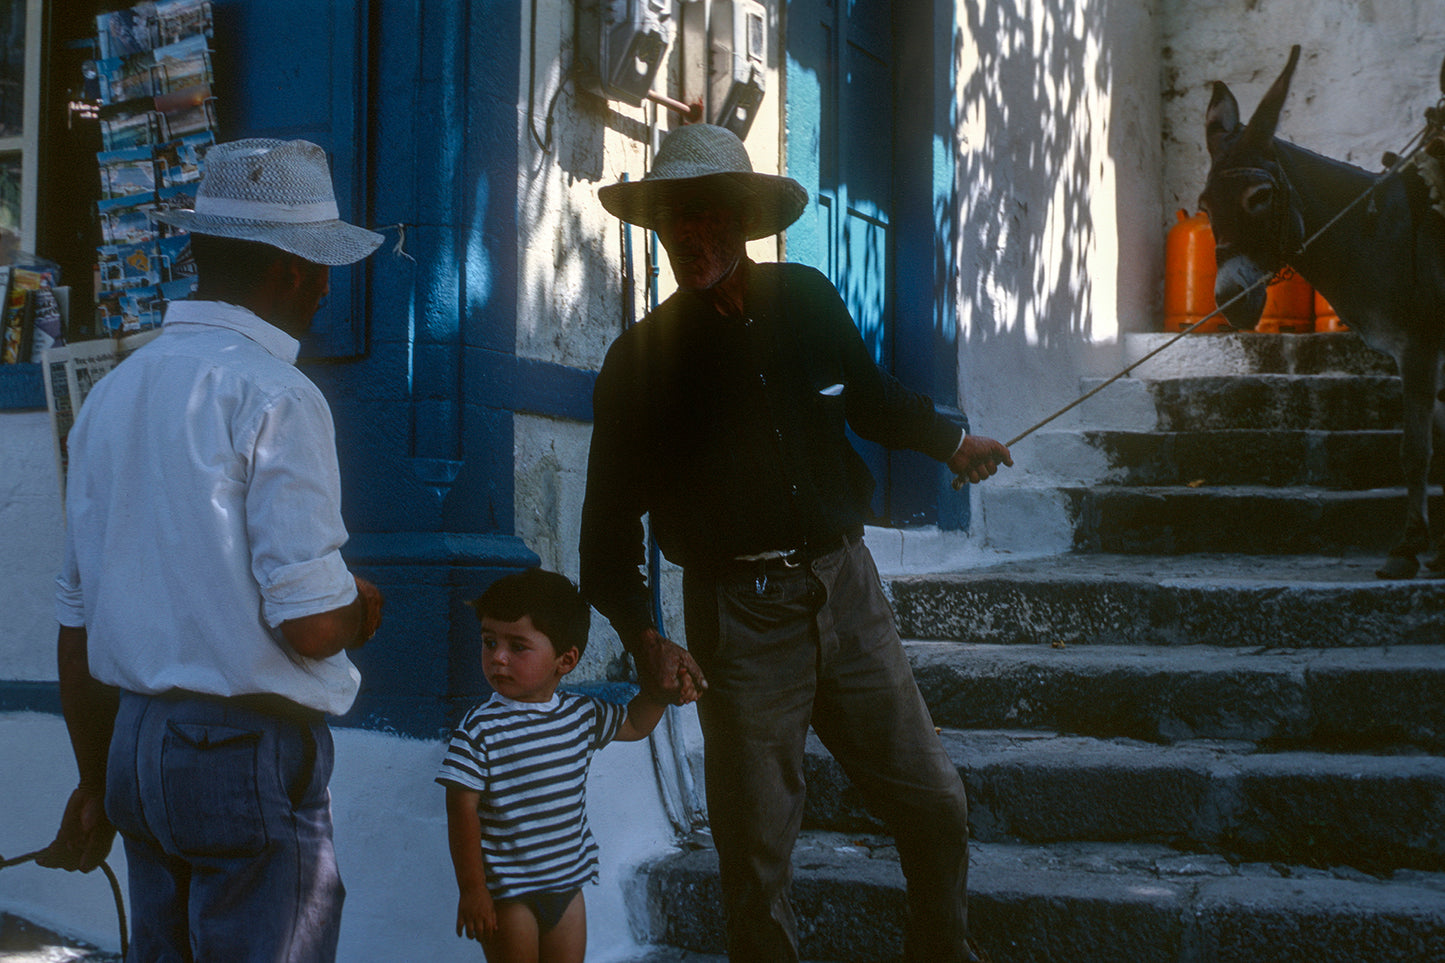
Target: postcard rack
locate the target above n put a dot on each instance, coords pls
(152, 79)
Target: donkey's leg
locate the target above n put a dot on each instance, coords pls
(1436, 565)
(1417, 382)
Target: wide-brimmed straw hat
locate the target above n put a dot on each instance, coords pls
(277, 192)
(703, 158)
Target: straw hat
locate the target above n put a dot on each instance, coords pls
(278, 193)
(700, 157)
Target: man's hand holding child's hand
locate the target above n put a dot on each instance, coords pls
(688, 688)
(666, 670)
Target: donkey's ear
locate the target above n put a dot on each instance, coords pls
(1221, 119)
(1266, 116)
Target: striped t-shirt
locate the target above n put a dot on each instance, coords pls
(529, 762)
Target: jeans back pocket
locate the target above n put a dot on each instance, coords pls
(210, 780)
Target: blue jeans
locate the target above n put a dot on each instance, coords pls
(226, 816)
(818, 645)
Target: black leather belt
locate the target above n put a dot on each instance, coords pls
(783, 560)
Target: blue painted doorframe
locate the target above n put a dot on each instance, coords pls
(869, 134)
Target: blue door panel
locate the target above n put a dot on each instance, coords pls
(869, 97)
(296, 69)
(840, 147)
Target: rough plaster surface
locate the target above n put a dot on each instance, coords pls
(390, 844)
(1367, 72)
(31, 527)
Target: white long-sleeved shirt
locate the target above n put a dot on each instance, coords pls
(203, 509)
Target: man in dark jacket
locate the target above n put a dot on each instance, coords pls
(722, 416)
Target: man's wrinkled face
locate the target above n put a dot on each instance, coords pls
(704, 238)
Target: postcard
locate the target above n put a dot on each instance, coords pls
(129, 128)
(127, 265)
(180, 161)
(187, 111)
(126, 78)
(175, 257)
(186, 63)
(179, 19)
(181, 197)
(127, 31)
(126, 173)
(127, 224)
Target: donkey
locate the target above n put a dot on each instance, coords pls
(1381, 266)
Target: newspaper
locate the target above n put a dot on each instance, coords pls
(69, 373)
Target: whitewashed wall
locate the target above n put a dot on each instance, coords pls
(1059, 190)
(1080, 134)
(30, 546)
(571, 302)
(391, 845)
(1367, 71)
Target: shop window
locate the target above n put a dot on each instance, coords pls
(19, 120)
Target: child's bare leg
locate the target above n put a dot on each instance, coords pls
(567, 941)
(516, 939)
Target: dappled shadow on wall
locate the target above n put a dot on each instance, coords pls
(1037, 234)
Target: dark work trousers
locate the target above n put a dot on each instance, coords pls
(817, 644)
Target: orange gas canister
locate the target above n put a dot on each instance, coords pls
(1289, 306)
(1189, 275)
(1325, 317)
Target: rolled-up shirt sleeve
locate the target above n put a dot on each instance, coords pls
(293, 510)
(69, 603)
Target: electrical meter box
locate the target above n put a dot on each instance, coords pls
(620, 46)
(737, 42)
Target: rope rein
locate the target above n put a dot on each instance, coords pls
(115, 891)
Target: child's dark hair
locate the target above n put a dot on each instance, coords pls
(555, 606)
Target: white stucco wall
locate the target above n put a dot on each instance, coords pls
(1059, 189)
(1081, 132)
(30, 545)
(1367, 71)
(570, 252)
(391, 844)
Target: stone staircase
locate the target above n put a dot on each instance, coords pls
(1204, 731)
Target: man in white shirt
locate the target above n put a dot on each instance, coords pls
(204, 605)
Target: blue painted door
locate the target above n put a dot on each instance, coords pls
(296, 69)
(840, 129)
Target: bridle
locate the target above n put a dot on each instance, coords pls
(1287, 222)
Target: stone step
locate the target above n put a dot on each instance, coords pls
(1322, 698)
(1265, 401)
(672, 954)
(1247, 519)
(1280, 602)
(1373, 812)
(1082, 903)
(1240, 353)
(1353, 460)
(1178, 519)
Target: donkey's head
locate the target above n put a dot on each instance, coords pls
(1247, 197)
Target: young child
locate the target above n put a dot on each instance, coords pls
(516, 774)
